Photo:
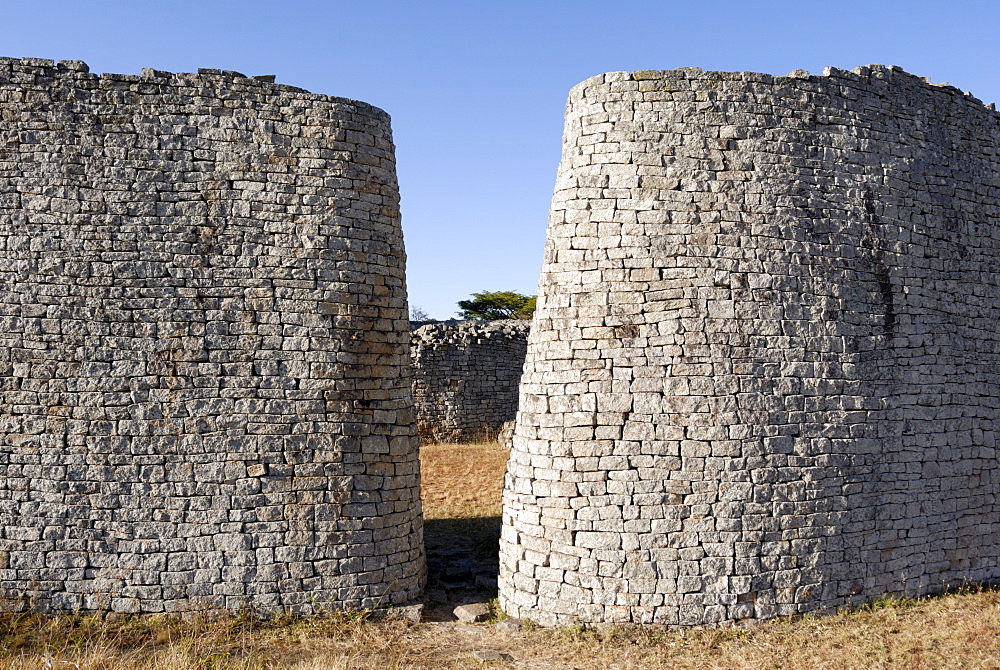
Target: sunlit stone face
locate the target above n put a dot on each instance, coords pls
(762, 376)
(204, 386)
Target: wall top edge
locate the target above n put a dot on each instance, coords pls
(80, 70)
(873, 71)
(479, 325)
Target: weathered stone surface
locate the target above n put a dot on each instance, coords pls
(506, 435)
(465, 377)
(763, 374)
(472, 613)
(510, 625)
(412, 613)
(204, 388)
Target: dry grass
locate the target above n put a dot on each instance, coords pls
(462, 481)
(462, 484)
(955, 631)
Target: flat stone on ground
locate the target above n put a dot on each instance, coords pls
(412, 613)
(510, 625)
(472, 613)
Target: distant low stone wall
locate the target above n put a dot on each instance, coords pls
(465, 377)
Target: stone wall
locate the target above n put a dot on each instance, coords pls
(764, 373)
(204, 390)
(465, 377)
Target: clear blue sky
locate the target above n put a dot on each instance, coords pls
(476, 89)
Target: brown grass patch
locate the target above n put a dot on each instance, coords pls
(461, 486)
(960, 630)
(954, 631)
(462, 481)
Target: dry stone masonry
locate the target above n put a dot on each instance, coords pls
(465, 377)
(204, 387)
(764, 373)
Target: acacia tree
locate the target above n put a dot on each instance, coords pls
(490, 305)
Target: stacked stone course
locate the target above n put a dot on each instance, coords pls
(465, 377)
(763, 374)
(204, 387)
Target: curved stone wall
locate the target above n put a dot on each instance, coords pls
(203, 346)
(465, 377)
(763, 374)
